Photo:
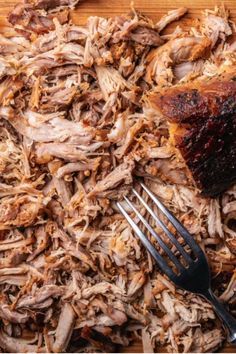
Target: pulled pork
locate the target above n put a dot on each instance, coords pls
(76, 131)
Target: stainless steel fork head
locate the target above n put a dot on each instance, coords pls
(191, 272)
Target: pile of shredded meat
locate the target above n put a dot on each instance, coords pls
(76, 132)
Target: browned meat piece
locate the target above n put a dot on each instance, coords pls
(19, 12)
(146, 36)
(202, 120)
(25, 16)
(138, 31)
(52, 4)
(19, 211)
(8, 88)
(28, 19)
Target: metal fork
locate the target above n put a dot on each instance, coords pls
(193, 274)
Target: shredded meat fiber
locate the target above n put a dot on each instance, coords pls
(76, 132)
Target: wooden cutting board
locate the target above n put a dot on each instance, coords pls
(152, 8)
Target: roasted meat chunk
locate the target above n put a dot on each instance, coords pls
(202, 117)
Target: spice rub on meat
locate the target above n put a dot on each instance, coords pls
(202, 117)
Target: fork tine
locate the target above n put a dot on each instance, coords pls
(173, 258)
(164, 228)
(179, 227)
(159, 259)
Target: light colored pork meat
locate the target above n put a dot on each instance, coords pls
(42, 242)
(66, 151)
(56, 130)
(216, 25)
(230, 291)
(92, 165)
(121, 174)
(22, 243)
(62, 190)
(35, 300)
(171, 16)
(76, 131)
(13, 45)
(188, 70)
(6, 68)
(120, 151)
(119, 129)
(110, 81)
(8, 314)
(161, 60)
(207, 341)
(18, 345)
(64, 328)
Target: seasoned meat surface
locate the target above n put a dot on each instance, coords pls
(205, 114)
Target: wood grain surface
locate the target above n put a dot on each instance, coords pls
(152, 8)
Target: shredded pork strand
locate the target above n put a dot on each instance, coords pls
(75, 134)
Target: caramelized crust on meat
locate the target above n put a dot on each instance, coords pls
(202, 117)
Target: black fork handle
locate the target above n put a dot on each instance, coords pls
(228, 320)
